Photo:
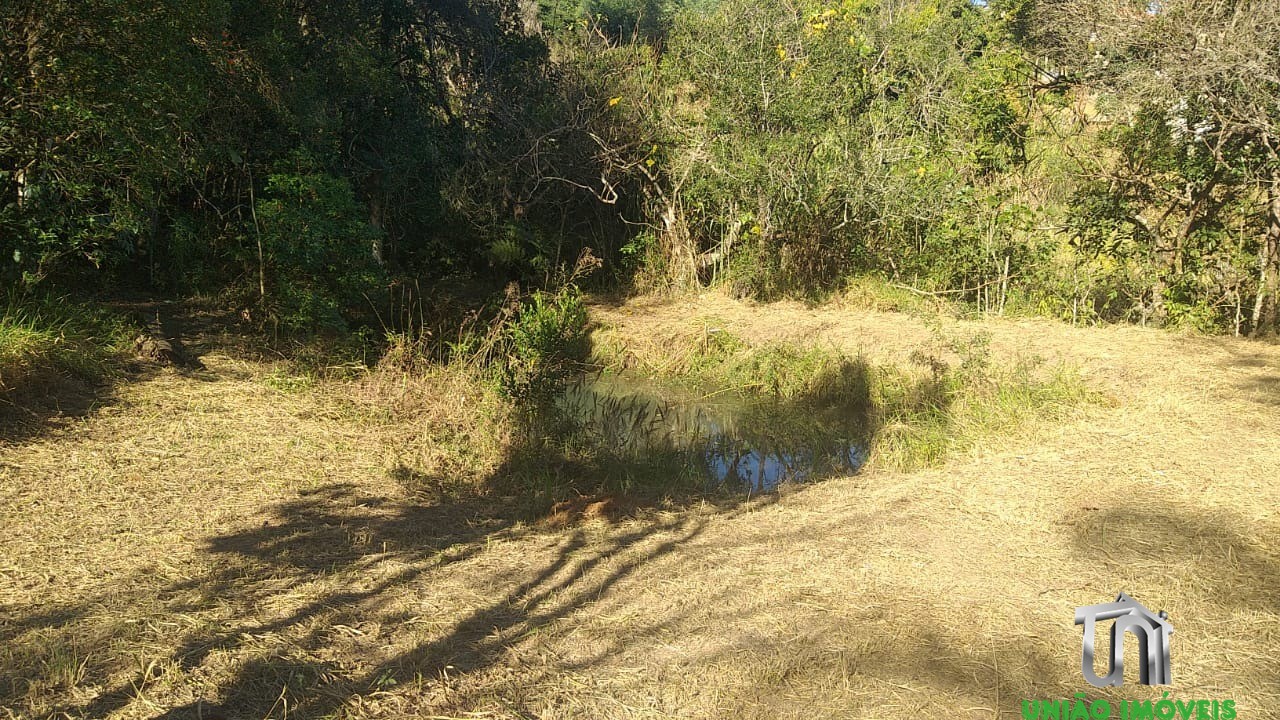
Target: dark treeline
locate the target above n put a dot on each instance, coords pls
(296, 153)
(1104, 160)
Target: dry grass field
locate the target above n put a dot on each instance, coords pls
(231, 542)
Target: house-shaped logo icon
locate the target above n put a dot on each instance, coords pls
(1151, 629)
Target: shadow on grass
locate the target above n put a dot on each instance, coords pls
(1147, 539)
(1263, 388)
(49, 397)
(264, 604)
(259, 628)
(44, 403)
(53, 401)
(1224, 585)
(1258, 370)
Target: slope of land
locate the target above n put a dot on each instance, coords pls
(217, 543)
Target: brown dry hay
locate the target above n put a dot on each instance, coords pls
(222, 544)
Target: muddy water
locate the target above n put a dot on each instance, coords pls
(737, 441)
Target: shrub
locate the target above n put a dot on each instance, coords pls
(317, 246)
(545, 344)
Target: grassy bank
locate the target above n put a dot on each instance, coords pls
(50, 340)
(487, 420)
(947, 396)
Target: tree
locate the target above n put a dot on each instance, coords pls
(99, 101)
(816, 140)
(1200, 86)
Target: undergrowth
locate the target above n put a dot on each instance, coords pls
(481, 431)
(472, 413)
(47, 339)
(481, 413)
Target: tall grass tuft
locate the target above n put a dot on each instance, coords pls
(42, 340)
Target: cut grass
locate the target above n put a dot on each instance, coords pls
(214, 546)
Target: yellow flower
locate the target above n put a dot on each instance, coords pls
(615, 100)
(782, 52)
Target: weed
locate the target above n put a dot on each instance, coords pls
(948, 396)
(288, 382)
(938, 407)
(871, 292)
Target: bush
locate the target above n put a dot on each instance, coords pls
(546, 343)
(317, 247)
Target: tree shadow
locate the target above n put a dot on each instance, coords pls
(1146, 539)
(50, 400)
(40, 406)
(1259, 371)
(1263, 388)
(386, 545)
(474, 643)
(262, 599)
(1223, 584)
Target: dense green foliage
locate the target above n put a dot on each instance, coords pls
(842, 138)
(545, 345)
(297, 156)
(302, 159)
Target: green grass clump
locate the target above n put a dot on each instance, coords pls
(545, 344)
(289, 382)
(42, 340)
(871, 292)
(948, 397)
(784, 370)
(935, 407)
(693, 352)
(715, 359)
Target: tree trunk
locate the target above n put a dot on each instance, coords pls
(678, 247)
(1165, 257)
(1159, 312)
(25, 67)
(1264, 309)
(377, 220)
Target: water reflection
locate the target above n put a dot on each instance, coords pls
(736, 441)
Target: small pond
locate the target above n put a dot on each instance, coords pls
(736, 440)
